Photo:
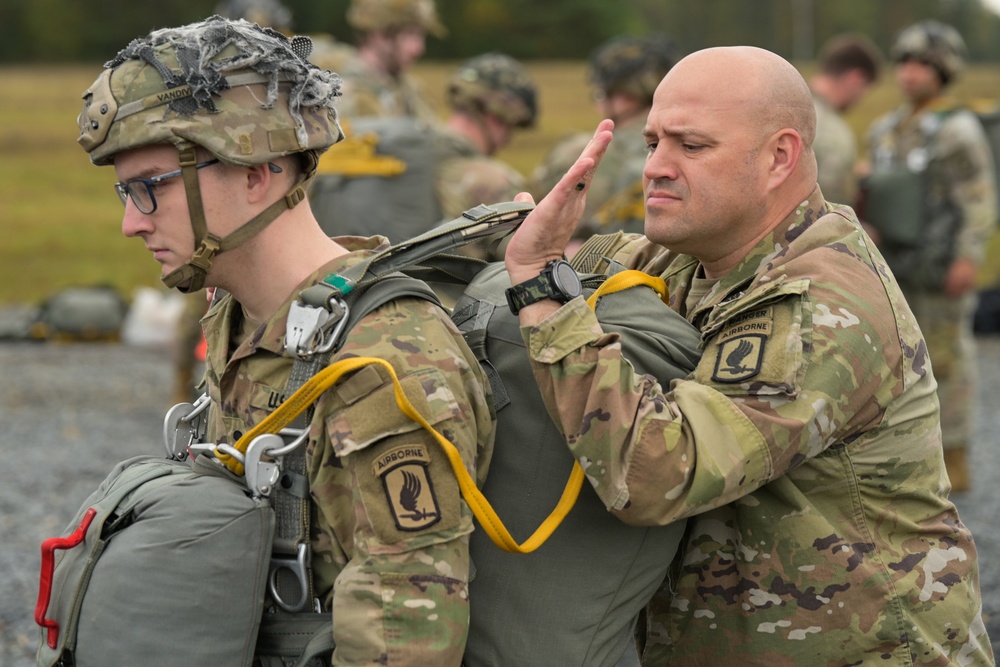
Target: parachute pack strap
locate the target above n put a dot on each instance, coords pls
(475, 223)
(484, 512)
(626, 279)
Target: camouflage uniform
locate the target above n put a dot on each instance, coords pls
(397, 585)
(805, 449)
(945, 146)
(836, 154)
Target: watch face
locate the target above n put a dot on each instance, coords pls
(566, 279)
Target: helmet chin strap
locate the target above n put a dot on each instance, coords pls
(190, 277)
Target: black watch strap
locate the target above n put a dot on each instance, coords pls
(557, 281)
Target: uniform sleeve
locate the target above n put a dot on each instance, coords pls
(388, 501)
(968, 170)
(783, 378)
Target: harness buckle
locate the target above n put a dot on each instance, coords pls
(313, 330)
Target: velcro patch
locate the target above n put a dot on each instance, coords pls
(407, 486)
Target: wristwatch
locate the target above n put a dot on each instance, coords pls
(558, 280)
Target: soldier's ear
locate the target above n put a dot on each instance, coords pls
(258, 180)
(784, 150)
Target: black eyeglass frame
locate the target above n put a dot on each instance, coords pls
(124, 190)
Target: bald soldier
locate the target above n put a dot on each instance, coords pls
(806, 446)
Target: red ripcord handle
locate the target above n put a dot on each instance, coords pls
(49, 547)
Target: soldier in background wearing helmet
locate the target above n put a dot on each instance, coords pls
(930, 201)
(848, 66)
(624, 72)
(214, 130)
(390, 38)
(490, 96)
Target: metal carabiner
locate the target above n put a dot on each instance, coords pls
(299, 566)
(182, 425)
(261, 475)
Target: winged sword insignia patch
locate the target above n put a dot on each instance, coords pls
(407, 486)
(740, 358)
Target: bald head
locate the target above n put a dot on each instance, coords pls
(767, 88)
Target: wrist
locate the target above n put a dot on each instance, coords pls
(557, 282)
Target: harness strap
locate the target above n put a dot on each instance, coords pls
(312, 389)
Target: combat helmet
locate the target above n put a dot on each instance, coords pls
(632, 65)
(935, 43)
(390, 15)
(245, 94)
(268, 13)
(497, 84)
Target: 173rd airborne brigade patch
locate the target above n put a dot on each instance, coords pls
(407, 487)
(741, 346)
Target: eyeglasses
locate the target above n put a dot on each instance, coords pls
(141, 189)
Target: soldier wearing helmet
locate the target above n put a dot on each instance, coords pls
(624, 73)
(930, 203)
(214, 130)
(491, 96)
(390, 36)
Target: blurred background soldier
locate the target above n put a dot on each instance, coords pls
(490, 96)
(930, 200)
(265, 13)
(624, 72)
(399, 176)
(848, 66)
(390, 38)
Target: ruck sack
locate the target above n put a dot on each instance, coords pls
(577, 596)
(379, 180)
(575, 599)
(161, 561)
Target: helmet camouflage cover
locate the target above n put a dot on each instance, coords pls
(244, 93)
(934, 43)
(632, 65)
(389, 15)
(497, 84)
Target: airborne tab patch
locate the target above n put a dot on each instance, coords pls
(740, 358)
(407, 487)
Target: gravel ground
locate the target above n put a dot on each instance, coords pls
(69, 412)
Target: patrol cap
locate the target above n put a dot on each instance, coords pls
(497, 84)
(632, 65)
(390, 15)
(935, 43)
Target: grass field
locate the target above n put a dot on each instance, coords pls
(60, 220)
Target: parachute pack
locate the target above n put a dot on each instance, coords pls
(379, 180)
(573, 600)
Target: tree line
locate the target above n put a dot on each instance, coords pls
(56, 31)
